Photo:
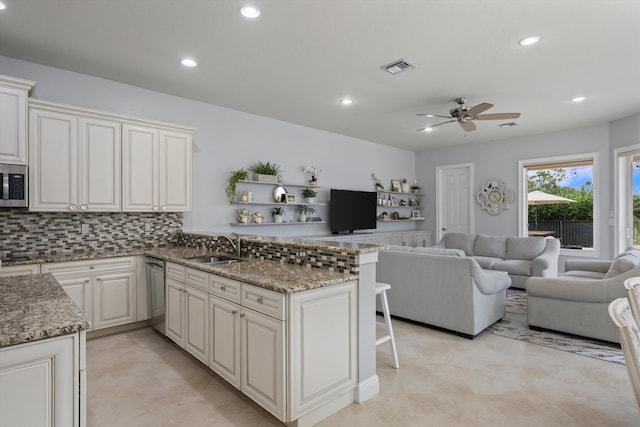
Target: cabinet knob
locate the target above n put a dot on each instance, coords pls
(72, 207)
(222, 288)
(92, 267)
(83, 207)
(234, 312)
(99, 279)
(242, 315)
(86, 281)
(259, 300)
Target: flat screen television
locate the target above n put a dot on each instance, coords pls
(352, 210)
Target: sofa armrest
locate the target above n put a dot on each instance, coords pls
(568, 289)
(489, 282)
(597, 266)
(546, 264)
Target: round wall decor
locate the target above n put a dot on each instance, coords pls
(495, 196)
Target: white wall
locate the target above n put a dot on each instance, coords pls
(226, 140)
(500, 160)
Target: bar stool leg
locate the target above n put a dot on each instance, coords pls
(387, 324)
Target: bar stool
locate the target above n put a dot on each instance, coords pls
(381, 289)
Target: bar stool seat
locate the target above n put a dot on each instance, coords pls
(381, 289)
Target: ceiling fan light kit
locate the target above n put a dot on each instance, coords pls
(465, 115)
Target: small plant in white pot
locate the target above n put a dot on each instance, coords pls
(304, 210)
(309, 195)
(278, 212)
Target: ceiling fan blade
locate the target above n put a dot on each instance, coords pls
(468, 126)
(432, 126)
(433, 115)
(474, 111)
(498, 116)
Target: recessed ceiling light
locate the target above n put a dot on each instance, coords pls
(2, 6)
(346, 101)
(250, 12)
(429, 129)
(578, 99)
(188, 62)
(508, 125)
(530, 40)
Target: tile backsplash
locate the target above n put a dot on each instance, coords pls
(31, 234)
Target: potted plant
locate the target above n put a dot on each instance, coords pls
(309, 195)
(313, 174)
(415, 188)
(278, 212)
(237, 175)
(303, 210)
(265, 171)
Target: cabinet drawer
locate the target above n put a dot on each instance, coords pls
(90, 266)
(19, 270)
(198, 279)
(263, 301)
(176, 271)
(225, 288)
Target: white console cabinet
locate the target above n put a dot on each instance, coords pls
(13, 119)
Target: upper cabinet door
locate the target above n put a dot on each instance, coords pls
(53, 159)
(140, 159)
(175, 171)
(13, 120)
(99, 165)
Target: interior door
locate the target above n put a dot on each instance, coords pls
(455, 209)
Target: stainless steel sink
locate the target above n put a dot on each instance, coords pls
(214, 260)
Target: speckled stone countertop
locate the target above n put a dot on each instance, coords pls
(271, 275)
(36, 307)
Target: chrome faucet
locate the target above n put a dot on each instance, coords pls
(235, 245)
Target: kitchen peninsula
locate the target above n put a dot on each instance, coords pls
(42, 353)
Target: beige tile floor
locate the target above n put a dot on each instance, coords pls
(139, 379)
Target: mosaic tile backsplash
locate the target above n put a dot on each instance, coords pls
(32, 234)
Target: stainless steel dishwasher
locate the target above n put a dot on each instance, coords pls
(155, 292)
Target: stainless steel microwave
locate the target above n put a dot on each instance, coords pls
(13, 188)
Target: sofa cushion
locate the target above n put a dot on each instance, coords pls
(583, 274)
(490, 246)
(487, 262)
(622, 263)
(462, 241)
(439, 251)
(525, 247)
(400, 248)
(518, 267)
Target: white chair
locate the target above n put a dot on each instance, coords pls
(622, 317)
(633, 293)
(381, 289)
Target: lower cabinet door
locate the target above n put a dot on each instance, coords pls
(224, 327)
(39, 384)
(80, 290)
(262, 354)
(196, 337)
(114, 299)
(174, 320)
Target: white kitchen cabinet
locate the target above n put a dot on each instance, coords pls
(13, 119)
(43, 383)
(103, 289)
(225, 330)
(74, 159)
(156, 169)
(187, 313)
(19, 270)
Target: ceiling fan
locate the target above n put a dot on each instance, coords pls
(464, 115)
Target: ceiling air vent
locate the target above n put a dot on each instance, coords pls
(397, 66)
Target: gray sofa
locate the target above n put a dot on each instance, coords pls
(520, 257)
(443, 288)
(577, 302)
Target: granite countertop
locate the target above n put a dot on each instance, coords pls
(275, 276)
(36, 307)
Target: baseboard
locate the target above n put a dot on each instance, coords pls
(97, 333)
(367, 389)
(311, 418)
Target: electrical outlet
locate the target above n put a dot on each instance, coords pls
(84, 228)
(147, 227)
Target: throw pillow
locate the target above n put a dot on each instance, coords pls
(622, 264)
(490, 246)
(525, 247)
(462, 241)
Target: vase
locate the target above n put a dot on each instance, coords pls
(405, 187)
(309, 199)
(303, 217)
(313, 183)
(277, 218)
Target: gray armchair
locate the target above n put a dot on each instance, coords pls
(577, 301)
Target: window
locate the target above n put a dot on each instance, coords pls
(627, 202)
(559, 195)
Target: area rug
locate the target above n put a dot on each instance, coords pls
(514, 325)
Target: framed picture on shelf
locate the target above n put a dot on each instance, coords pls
(395, 185)
(415, 214)
(394, 200)
(291, 198)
